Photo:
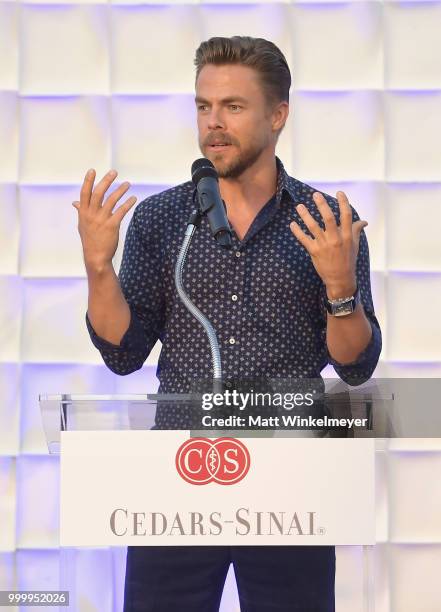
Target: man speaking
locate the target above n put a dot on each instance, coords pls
(291, 295)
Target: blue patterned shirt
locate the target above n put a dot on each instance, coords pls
(263, 297)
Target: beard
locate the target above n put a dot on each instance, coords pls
(236, 166)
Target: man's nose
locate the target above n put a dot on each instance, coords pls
(215, 118)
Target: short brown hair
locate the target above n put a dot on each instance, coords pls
(262, 55)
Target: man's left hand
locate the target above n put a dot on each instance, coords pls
(333, 250)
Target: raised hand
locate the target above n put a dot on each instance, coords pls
(333, 250)
(98, 226)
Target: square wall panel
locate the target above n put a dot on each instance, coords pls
(413, 134)
(349, 578)
(93, 579)
(8, 45)
(119, 557)
(415, 444)
(10, 317)
(57, 44)
(413, 214)
(7, 504)
(338, 136)
(413, 370)
(415, 413)
(229, 3)
(324, 2)
(154, 138)
(74, 2)
(54, 326)
(10, 379)
(9, 229)
(414, 578)
(8, 574)
(153, 2)
(141, 62)
(62, 137)
(38, 570)
(50, 242)
(381, 600)
(381, 369)
(353, 59)
(38, 497)
(265, 20)
(381, 497)
(9, 136)
(53, 379)
(350, 589)
(142, 381)
(413, 1)
(413, 323)
(415, 497)
(412, 45)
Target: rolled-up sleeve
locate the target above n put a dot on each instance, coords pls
(141, 285)
(361, 369)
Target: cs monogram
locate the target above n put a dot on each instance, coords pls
(201, 460)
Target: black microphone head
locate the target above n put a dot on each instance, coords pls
(202, 168)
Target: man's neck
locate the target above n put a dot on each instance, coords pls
(253, 188)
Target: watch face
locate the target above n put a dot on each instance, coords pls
(343, 309)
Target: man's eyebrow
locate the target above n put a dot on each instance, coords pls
(199, 100)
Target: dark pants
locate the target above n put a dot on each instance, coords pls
(191, 578)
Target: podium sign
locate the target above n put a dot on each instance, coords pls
(147, 488)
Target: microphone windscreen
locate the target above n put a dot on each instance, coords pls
(202, 168)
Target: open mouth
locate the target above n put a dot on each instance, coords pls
(218, 146)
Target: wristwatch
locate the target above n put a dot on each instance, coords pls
(342, 306)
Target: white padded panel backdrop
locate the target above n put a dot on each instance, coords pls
(111, 84)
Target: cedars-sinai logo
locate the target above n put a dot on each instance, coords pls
(201, 460)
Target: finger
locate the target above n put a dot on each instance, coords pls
(115, 196)
(123, 209)
(304, 240)
(345, 214)
(356, 231)
(326, 213)
(76, 205)
(310, 222)
(86, 188)
(101, 188)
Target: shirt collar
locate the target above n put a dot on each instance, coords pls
(284, 183)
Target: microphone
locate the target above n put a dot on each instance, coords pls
(204, 176)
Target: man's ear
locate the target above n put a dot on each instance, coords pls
(280, 115)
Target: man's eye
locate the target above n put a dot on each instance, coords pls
(234, 106)
(202, 106)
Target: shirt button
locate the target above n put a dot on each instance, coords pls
(232, 340)
(234, 298)
(238, 253)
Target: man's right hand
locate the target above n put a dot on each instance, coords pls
(97, 225)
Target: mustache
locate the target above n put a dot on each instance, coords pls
(217, 140)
